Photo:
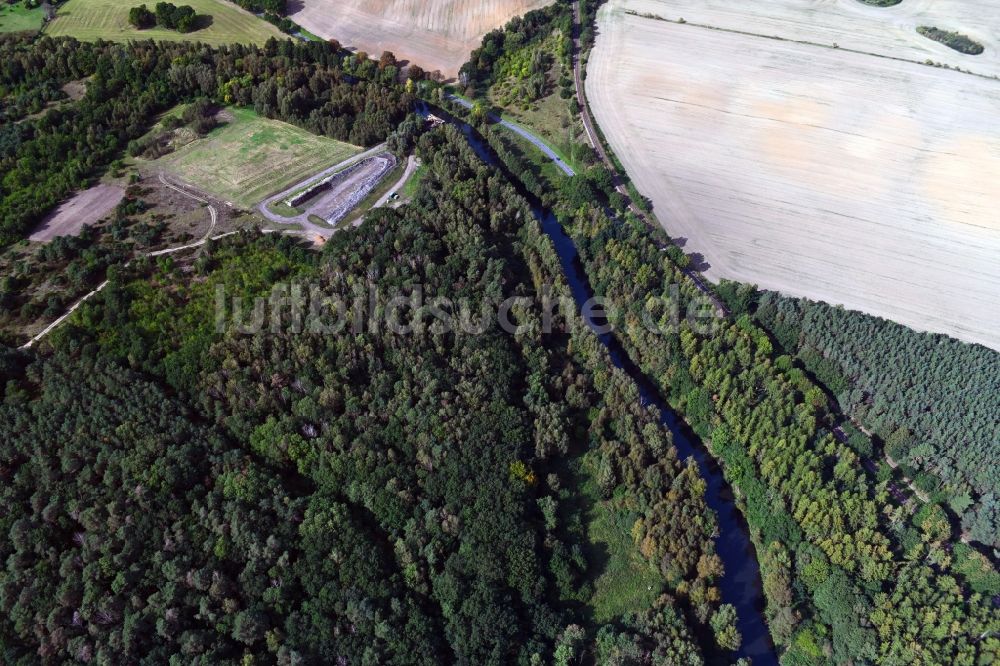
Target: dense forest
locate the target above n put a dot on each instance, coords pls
(932, 400)
(850, 575)
(177, 491)
(486, 63)
(183, 486)
(863, 579)
(45, 159)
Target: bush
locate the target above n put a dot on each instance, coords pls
(141, 17)
(953, 40)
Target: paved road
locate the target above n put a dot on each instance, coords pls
(303, 220)
(514, 127)
(411, 165)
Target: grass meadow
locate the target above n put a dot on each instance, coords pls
(108, 19)
(251, 157)
(18, 18)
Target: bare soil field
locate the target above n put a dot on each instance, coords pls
(85, 207)
(887, 31)
(818, 172)
(435, 34)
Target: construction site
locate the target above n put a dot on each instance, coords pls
(326, 198)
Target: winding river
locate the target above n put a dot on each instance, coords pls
(741, 584)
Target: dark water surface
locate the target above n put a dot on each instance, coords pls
(741, 585)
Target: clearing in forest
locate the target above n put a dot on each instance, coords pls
(86, 207)
(108, 19)
(864, 181)
(435, 34)
(250, 157)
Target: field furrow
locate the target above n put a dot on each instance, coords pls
(435, 34)
(854, 179)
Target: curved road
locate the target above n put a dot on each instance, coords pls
(411, 165)
(213, 214)
(538, 143)
(303, 220)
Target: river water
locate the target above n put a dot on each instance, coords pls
(741, 584)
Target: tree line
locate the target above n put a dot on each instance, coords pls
(365, 497)
(849, 575)
(47, 158)
(931, 400)
(183, 19)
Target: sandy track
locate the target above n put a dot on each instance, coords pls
(85, 207)
(853, 179)
(159, 253)
(435, 34)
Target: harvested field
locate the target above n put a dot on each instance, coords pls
(85, 207)
(853, 179)
(435, 34)
(250, 157)
(108, 19)
(886, 31)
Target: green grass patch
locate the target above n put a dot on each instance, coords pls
(18, 18)
(89, 20)
(291, 226)
(284, 210)
(308, 35)
(251, 157)
(320, 222)
(540, 163)
(624, 581)
(411, 186)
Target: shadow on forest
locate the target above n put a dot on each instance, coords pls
(698, 262)
(202, 21)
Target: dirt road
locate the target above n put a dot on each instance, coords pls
(588, 124)
(213, 214)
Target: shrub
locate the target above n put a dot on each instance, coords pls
(141, 17)
(953, 40)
